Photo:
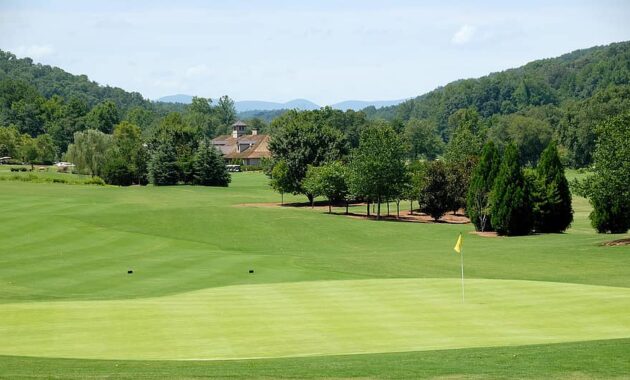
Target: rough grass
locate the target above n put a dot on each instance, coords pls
(606, 359)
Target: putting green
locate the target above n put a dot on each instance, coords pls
(317, 318)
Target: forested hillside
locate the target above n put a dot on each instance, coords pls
(560, 99)
(48, 104)
(565, 96)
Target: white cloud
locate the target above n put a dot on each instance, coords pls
(35, 51)
(464, 35)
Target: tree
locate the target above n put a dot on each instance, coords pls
(529, 134)
(29, 151)
(466, 140)
(131, 151)
(225, 112)
(378, 170)
(299, 143)
(89, 151)
(607, 189)
(141, 117)
(280, 179)
(200, 105)
(423, 138)
(103, 117)
(163, 168)
(209, 168)
(481, 183)
(434, 196)
(329, 180)
(510, 204)
(46, 149)
(200, 116)
(183, 137)
(10, 141)
(116, 170)
(417, 172)
(459, 174)
(126, 159)
(552, 197)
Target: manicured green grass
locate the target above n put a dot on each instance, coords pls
(583, 360)
(317, 318)
(64, 288)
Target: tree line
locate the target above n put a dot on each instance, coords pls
(503, 187)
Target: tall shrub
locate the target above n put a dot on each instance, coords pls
(163, 168)
(481, 183)
(209, 168)
(511, 208)
(552, 197)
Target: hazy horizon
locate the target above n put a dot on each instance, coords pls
(277, 51)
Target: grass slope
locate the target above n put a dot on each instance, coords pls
(583, 360)
(65, 244)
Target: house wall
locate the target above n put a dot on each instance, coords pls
(252, 161)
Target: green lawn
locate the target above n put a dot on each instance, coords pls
(65, 292)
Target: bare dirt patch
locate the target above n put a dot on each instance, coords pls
(405, 216)
(490, 234)
(617, 243)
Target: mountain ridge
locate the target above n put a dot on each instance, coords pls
(300, 104)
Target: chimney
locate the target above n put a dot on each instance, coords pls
(234, 133)
(254, 131)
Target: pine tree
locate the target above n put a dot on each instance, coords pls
(163, 169)
(209, 169)
(511, 208)
(481, 183)
(552, 197)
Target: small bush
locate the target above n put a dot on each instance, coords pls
(95, 181)
(251, 168)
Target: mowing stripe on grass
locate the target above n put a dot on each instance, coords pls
(317, 318)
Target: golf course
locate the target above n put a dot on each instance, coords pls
(187, 281)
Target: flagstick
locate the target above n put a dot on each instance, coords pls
(462, 260)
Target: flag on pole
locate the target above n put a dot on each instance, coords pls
(458, 245)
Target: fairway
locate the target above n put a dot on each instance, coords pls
(322, 285)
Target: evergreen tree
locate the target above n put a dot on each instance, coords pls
(209, 167)
(163, 168)
(481, 183)
(552, 197)
(434, 196)
(510, 204)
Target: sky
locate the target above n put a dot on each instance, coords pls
(324, 51)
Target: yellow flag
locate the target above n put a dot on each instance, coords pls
(458, 245)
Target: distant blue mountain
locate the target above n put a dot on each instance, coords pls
(300, 104)
(179, 98)
(358, 105)
(257, 105)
